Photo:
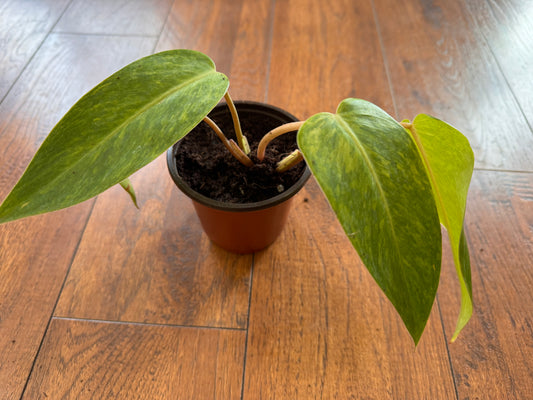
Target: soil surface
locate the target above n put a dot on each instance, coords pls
(208, 167)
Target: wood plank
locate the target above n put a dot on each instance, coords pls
(321, 328)
(156, 265)
(440, 64)
(118, 17)
(87, 360)
(319, 325)
(251, 52)
(25, 24)
(34, 258)
(493, 357)
(506, 27)
(35, 253)
(211, 29)
(242, 33)
(324, 53)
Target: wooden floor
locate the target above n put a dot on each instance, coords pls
(102, 301)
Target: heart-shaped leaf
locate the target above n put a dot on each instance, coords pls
(115, 129)
(450, 162)
(371, 173)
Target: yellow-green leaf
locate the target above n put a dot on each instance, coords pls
(449, 161)
(373, 177)
(118, 127)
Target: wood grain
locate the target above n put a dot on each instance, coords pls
(210, 28)
(323, 53)
(316, 326)
(236, 35)
(249, 72)
(493, 358)
(321, 328)
(242, 33)
(88, 360)
(507, 29)
(154, 264)
(34, 258)
(440, 64)
(35, 253)
(314, 330)
(25, 25)
(117, 17)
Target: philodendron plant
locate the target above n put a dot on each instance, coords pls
(391, 184)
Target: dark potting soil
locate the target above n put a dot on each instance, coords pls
(208, 167)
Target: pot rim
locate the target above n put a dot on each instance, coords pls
(239, 207)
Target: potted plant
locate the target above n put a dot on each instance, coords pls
(242, 202)
(391, 184)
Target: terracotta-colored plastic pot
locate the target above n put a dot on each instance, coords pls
(244, 227)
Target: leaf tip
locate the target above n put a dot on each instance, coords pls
(128, 187)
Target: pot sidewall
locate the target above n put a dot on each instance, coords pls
(243, 232)
(242, 227)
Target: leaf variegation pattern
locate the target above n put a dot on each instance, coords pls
(372, 175)
(449, 160)
(118, 127)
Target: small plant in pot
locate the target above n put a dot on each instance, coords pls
(242, 202)
(391, 184)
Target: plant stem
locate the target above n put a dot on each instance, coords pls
(229, 144)
(274, 133)
(217, 130)
(241, 139)
(290, 161)
(239, 154)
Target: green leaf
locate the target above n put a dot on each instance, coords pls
(449, 161)
(371, 173)
(128, 187)
(118, 127)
